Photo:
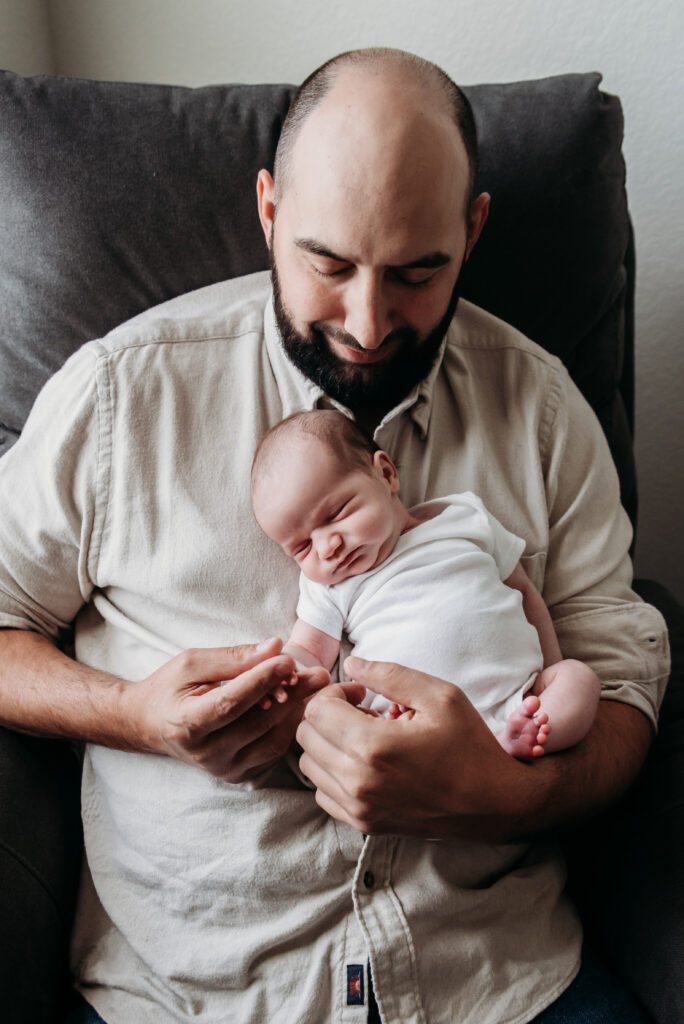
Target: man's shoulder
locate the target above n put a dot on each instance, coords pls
(473, 329)
(227, 309)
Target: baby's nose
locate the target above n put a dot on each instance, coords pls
(329, 544)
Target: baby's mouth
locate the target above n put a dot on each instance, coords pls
(348, 559)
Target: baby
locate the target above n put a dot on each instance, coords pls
(438, 587)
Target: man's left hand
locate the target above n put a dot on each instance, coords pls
(435, 772)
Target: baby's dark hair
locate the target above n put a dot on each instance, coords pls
(337, 432)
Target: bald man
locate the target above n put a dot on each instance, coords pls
(401, 883)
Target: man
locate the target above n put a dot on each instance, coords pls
(234, 892)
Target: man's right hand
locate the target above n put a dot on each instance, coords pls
(203, 707)
(181, 709)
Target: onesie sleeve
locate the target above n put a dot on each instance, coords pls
(319, 606)
(48, 503)
(504, 547)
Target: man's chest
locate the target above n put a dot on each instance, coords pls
(182, 556)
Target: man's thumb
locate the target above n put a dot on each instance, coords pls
(395, 682)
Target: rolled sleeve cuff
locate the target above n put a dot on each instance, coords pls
(627, 646)
(17, 613)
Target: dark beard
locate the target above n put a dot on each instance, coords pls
(385, 383)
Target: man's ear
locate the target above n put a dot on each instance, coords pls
(266, 204)
(387, 470)
(476, 220)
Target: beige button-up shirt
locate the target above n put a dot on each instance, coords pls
(125, 505)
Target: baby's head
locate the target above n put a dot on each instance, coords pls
(327, 495)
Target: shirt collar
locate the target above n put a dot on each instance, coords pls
(298, 393)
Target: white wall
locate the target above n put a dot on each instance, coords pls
(637, 46)
(25, 37)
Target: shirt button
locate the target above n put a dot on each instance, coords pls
(369, 879)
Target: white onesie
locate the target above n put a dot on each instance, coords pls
(438, 604)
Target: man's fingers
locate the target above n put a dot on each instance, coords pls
(403, 685)
(267, 746)
(344, 785)
(320, 778)
(213, 665)
(335, 809)
(245, 656)
(347, 693)
(222, 705)
(332, 714)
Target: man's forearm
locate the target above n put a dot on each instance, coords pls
(45, 693)
(577, 783)
(561, 789)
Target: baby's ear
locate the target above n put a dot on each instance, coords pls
(386, 468)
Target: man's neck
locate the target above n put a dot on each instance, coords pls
(368, 415)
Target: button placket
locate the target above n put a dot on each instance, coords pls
(385, 927)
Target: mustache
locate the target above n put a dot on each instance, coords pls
(399, 336)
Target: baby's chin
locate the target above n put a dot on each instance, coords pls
(333, 578)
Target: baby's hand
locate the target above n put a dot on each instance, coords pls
(280, 696)
(307, 680)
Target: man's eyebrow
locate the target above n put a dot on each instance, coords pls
(317, 249)
(428, 261)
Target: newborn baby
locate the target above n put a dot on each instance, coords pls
(438, 587)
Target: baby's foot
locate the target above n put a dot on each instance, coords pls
(526, 730)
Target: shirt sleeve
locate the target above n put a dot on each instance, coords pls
(317, 606)
(48, 507)
(587, 581)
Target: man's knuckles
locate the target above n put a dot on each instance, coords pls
(359, 813)
(181, 735)
(240, 655)
(195, 664)
(190, 665)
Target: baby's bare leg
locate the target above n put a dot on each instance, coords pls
(568, 694)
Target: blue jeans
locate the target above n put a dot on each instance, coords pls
(596, 996)
(81, 1012)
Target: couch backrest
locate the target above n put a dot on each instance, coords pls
(115, 197)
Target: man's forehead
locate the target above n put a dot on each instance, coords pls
(368, 143)
(393, 229)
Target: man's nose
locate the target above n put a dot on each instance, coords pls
(327, 544)
(367, 315)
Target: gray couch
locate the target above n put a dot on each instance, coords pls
(115, 197)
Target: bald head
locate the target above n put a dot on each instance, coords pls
(382, 99)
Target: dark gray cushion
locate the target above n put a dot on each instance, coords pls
(116, 197)
(627, 866)
(40, 859)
